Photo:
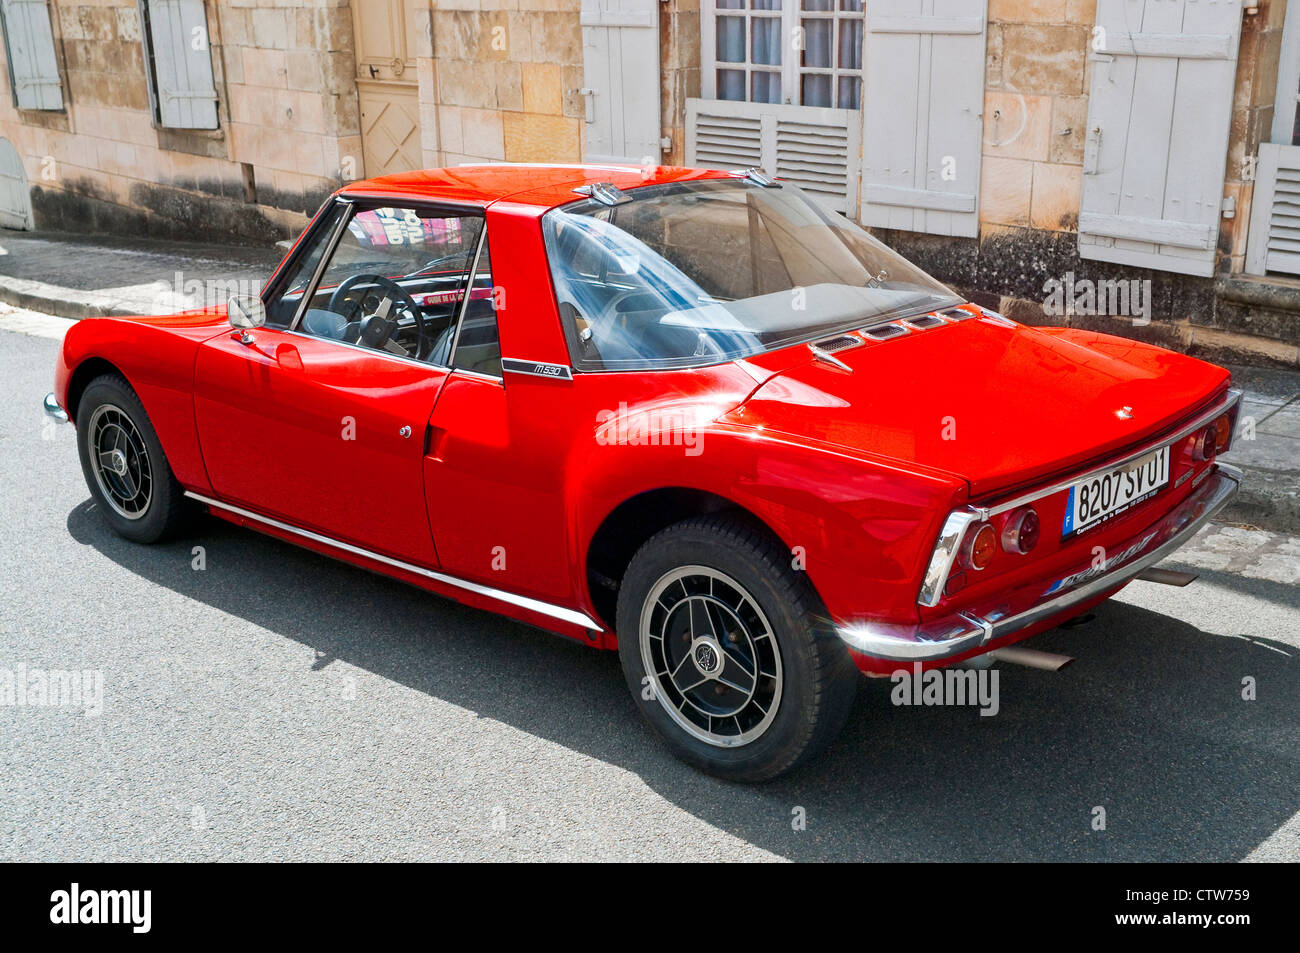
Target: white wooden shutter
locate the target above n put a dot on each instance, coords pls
(1157, 138)
(33, 67)
(1288, 79)
(816, 149)
(620, 55)
(15, 196)
(186, 96)
(923, 101)
(1274, 240)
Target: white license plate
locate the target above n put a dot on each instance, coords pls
(1106, 494)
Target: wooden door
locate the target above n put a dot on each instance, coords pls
(385, 35)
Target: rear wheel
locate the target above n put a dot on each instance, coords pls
(124, 465)
(724, 649)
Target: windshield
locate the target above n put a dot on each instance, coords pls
(703, 272)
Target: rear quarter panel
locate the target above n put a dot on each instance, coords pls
(862, 529)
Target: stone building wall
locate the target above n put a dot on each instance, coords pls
(505, 76)
(283, 70)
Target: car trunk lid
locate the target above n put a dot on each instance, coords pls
(993, 402)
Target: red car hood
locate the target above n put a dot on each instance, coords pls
(995, 403)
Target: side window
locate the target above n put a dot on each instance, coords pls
(284, 305)
(395, 282)
(478, 346)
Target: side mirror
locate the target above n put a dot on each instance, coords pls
(245, 311)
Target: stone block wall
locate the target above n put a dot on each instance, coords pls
(287, 102)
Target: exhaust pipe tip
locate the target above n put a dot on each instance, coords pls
(1031, 658)
(1167, 577)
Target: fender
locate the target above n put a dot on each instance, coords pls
(156, 356)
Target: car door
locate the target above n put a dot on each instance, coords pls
(313, 419)
(495, 471)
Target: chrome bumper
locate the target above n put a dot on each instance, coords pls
(967, 630)
(53, 409)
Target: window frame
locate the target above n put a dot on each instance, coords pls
(1286, 122)
(332, 235)
(791, 17)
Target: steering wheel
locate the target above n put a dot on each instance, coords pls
(377, 335)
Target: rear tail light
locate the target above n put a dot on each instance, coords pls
(1206, 441)
(982, 547)
(1223, 433)
(1020, 532)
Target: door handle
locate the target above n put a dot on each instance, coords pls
(287, 356)
(433, 439)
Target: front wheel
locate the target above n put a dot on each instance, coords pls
(725, 650)
(124, 465)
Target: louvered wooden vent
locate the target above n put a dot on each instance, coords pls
(815, 149)
(727, 143)
(1274, 241)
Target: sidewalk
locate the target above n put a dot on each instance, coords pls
(86, 277)
(93, 277)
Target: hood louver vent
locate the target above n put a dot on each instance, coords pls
(841, 342)
(885, 331)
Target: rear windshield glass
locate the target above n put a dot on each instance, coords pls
(703, 272)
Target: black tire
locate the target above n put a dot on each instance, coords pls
(166, 511)
(818, 681)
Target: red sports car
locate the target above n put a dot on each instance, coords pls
(688, 415)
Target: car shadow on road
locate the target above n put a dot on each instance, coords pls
(1149, 725)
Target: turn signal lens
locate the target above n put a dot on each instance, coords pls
(1020, 533)
(982, 547)
(1223, 433)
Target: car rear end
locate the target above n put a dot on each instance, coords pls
(1015, 563)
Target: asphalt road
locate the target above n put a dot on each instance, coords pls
(278, 705)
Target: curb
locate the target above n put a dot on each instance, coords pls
(62, 302)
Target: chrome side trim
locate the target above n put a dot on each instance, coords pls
(571, 616)
(944, 555)
(373, 352)
(52, 409)
(965, 630)
(828, 358)
(1230, 400)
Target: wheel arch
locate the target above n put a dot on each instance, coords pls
(83, 374)
(628, 526)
